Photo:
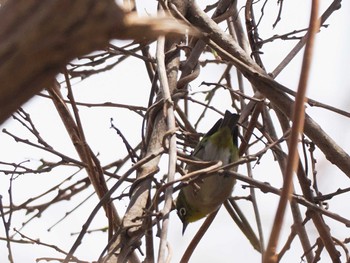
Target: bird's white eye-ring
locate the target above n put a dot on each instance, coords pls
(182, 211)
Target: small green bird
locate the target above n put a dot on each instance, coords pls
(201, 198)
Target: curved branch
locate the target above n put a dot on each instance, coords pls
(38, 38)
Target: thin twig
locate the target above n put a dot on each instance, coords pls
(297, 128)
(105, 198)
(169, 109)
(198, 237)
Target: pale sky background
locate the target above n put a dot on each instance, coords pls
(128, 83)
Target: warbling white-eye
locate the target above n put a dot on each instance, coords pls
(197, 200)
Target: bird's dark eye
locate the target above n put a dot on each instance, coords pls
(182, 211)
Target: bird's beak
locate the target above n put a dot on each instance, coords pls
(184, 225)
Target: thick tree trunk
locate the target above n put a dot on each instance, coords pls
(38, 38)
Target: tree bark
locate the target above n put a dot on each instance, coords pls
(39, 37)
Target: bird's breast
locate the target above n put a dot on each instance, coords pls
(210, 192)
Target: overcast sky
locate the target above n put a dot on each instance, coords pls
(127, 83)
